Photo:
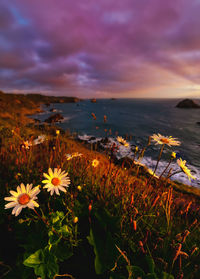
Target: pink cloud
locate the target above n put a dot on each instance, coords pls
(109, 46)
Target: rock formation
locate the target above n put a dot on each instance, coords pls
(187, 103)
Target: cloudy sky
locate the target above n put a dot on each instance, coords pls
(104, 48)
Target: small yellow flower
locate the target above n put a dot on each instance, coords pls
(75, 220)
(136, 149)
(152, 173)
(122, 141)
(185, 169)
(26, 144)
(57, 132)
(79, 188)
(55, 181)
(73, 155)
(159, 139)
(173, 155)
(24, 197)
(95, 163)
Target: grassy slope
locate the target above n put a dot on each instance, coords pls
(112, 186)
(14, 109)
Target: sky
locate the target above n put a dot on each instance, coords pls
(101, 49)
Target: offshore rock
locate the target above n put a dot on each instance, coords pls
(187, 103)
(54, 118)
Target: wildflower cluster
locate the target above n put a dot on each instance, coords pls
(25, 196)
(170, 141)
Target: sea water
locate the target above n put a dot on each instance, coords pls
(136, 120)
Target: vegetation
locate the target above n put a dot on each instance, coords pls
(84, 215)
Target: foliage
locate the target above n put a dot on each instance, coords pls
(115, 221)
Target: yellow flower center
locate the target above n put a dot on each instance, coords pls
(55, 181)
(164, 140)
(24, 199)
(95, 163)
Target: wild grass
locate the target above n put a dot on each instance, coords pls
(114, 221)
(148, 222)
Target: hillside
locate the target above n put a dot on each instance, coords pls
(105, 220)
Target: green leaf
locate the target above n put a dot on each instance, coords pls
(102, 240)
(34, 259)
(151, 264)
(62, 251)
(57, 218)
(43, 262)
(65, 230)
(136, 271)
(167, 276)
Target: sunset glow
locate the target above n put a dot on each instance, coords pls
(100, 49)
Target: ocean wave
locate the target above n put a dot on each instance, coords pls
(181, 177)
(149, 162)
(56, 110)
(65, 119)
(44, 112)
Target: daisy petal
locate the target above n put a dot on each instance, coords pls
(57, 191)
(47, 176)
(15, 208)
(52, 191)
(34, 191)
(45, 181)
(18, 211)
(23, 189)
(28, 187)
(10, 204)
(35, 204)
(13, 193)
(62, 189)
(19, 191)
(10, 198)
(50, 172)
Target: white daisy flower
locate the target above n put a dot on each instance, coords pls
(159, 139)
(122, 141)
(24, 197)
(185, 169)
(56, 180)
(40, 139)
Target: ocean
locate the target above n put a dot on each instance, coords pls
(136, 120)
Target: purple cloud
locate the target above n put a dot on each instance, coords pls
(109, 48)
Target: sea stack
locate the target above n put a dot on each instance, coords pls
(187, 103)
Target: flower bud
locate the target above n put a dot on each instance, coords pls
(173, 155)
(90, 207)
